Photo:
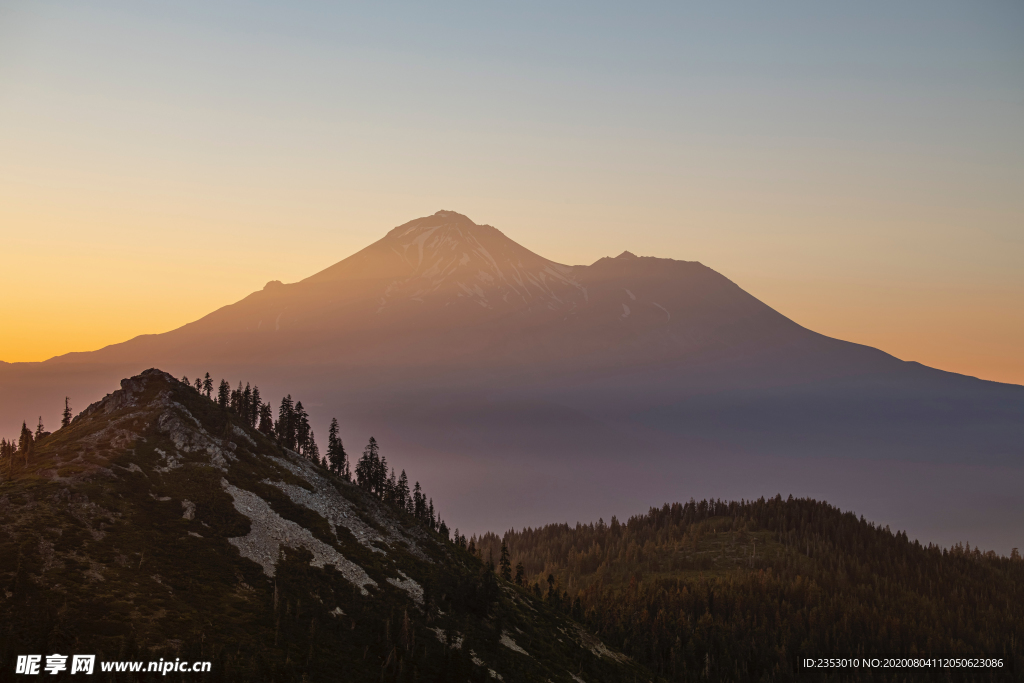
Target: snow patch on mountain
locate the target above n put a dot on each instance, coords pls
(452, 258)
(269, 532)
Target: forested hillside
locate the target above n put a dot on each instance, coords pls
(161, 524)
(742, 590)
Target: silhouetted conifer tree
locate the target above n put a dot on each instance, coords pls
(418, 502)
(391, 488)
(505, 563)
(310, 450)
(286, 423)
(402, 491)
(369, 466)
(208, 386)
(266, 416)
(25, 442)
(224, 393)
(7, 455)
(255, 404)
(302, 429)
(520, 574)
(65, 418)
(246, 403)
(337, 459)
(199, 386)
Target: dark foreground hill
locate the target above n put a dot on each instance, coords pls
(742, 591)
(158, 525)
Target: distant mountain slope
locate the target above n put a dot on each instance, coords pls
(729, 591)
(442, 289)
(456, 344)
(158, 525)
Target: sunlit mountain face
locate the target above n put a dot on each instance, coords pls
(442, 289)
(533, 391)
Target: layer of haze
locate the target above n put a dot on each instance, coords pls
(859, 168)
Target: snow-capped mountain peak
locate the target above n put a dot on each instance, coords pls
(451, 259)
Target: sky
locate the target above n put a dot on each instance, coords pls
(857, 166)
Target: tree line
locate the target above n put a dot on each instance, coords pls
(716, 590)
(291, 430)
(24, 445)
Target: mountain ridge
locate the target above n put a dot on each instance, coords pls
(161, 524)
(667, 361)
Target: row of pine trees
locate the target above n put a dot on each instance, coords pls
(292, 430)
(669, 590)
(24, 446)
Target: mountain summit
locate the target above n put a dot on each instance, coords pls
(448, 259)
(442, 289)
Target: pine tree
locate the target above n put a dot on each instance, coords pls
(25, 442)
(391, 488)
(255, 405)
(337, 459)
(380, 478)
(286, 423)
(266, 414)
(208, 386)
(402, 491)
(184, 380)
(419, 504)
(7, 450)
(223, 393)
(367, 469)
(199, 386)
(505, 563)
(40, 432)
(311, 450)
(65, 418)
(246, 402)
(520, 574)
(302, 429)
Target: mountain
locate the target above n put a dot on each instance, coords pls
(158, 526)
(628, 380)
(745, 591)
(441, 291)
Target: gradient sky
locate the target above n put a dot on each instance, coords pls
(859, 167)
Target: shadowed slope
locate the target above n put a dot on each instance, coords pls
(461, 346)
(158, 525)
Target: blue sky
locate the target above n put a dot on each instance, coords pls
(860, 167)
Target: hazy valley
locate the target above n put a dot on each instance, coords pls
(527, 391)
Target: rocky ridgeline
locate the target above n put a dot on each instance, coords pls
(157, 523)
